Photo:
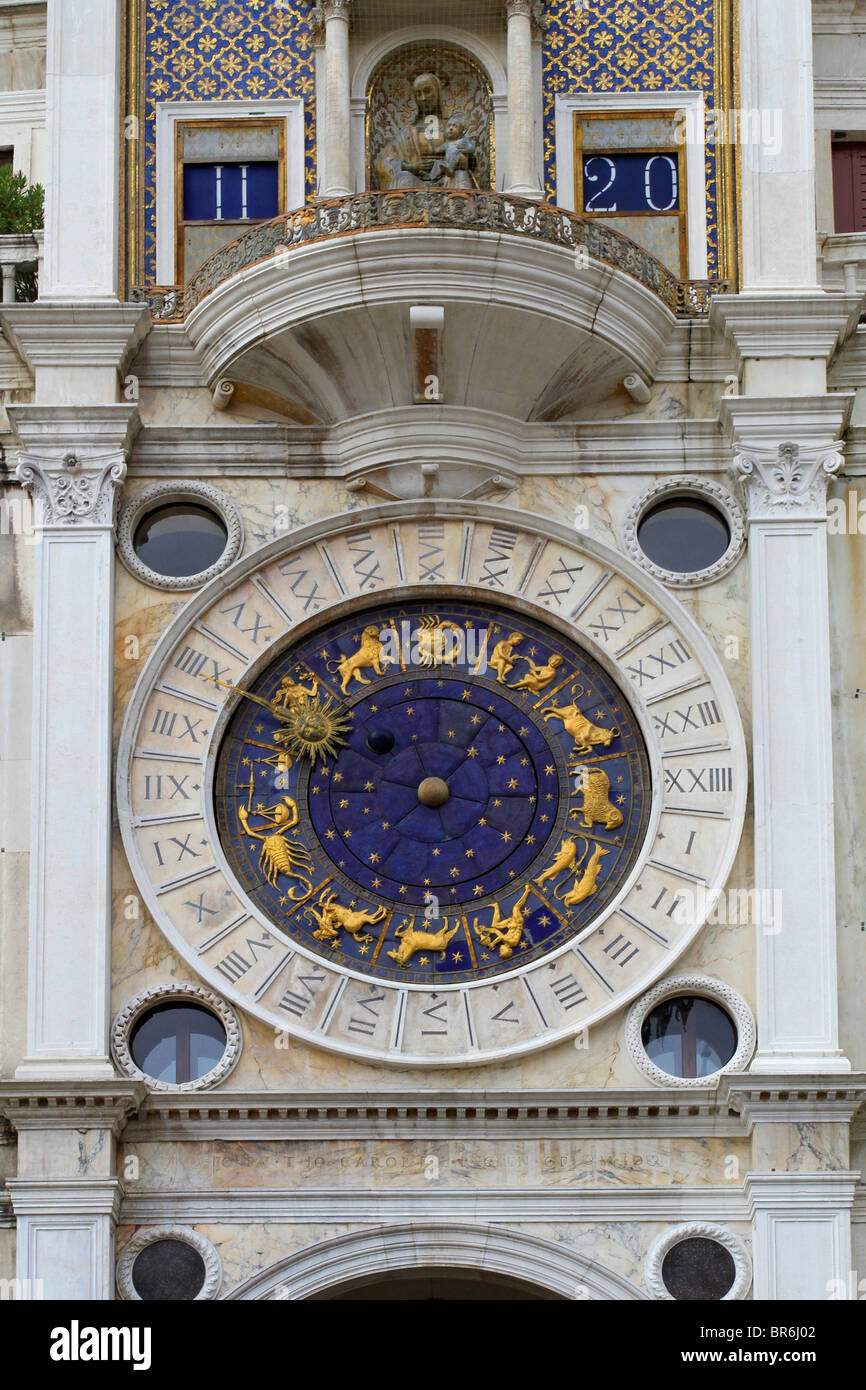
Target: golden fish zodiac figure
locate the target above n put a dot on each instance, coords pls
(334, 918)
(412, 941)
(537, 678)
(369, 656)
(586, 883)
(585, 734)
(597, 805)
(504, 933)
(280, 856)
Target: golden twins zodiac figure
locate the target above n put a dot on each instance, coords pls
(280, 856)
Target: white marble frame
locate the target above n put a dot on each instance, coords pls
(355, 1258)
(368, 59)
(716, 991)
(169, 113)
(686, 485)
(166, 493)
(635, 103)
(149, 1235)
(698, 1230)
(182, 993)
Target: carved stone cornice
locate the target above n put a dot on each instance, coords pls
(73, 494)
(790, 481)
(65, 1105)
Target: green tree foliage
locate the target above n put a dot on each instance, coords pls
(22, 211)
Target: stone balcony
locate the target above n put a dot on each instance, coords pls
(541, 307)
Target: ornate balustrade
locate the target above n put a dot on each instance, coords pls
(440, 208)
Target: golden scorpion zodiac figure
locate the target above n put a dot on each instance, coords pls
(280, 856)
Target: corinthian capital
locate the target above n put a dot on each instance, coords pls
(73, 493)
(325, 10)
(788, 481)
(534, 10)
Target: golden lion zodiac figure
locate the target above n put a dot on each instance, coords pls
(597, 805)
(368, 655)
(412, 941)
(504, 933)
(585, 734)
(333, 918)
(280, 856)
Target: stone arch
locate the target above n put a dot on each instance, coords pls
(452, 1246)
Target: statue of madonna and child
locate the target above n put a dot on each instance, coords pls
(432, 151)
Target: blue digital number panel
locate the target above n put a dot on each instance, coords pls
(537, 765)
(230, 192)
(632, 183)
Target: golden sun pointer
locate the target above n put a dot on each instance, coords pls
(313, 727)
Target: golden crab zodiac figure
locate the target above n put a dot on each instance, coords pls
(279, 856)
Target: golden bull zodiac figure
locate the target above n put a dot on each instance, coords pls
(369, 655)
(597, 805)
(585, 734)
(412, 941)
(333, 917)
(536, 678)
(504, 933)
(280, 856)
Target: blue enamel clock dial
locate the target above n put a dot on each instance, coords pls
(485, 798)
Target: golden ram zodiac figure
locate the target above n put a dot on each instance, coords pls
(585, 734)
(504, 933)
(368, 655)
(597, 805)
(280, 856)
(412, 941)
(333, 918)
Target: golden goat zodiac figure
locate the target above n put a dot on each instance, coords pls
(280, 856)
(439, 643)
(504, 932)
(368, 655)
(585, 734)
(502, 657)
(333, 918)
(412, 941)
(537, 677)
(597, 805)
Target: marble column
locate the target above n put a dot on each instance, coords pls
(787, 455)
(84, 127)
(801, 1235)
(335, 139)
(777, 137)
(523, 177)
(72, 462)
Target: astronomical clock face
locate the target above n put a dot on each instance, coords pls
(478, 792)
(431, 822)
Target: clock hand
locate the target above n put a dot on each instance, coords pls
(281, 713)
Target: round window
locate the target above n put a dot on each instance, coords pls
(688, 1036)
(177, 1043)
(684, 535)
(698, 1270)
(168, 1270)
(180, 540)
